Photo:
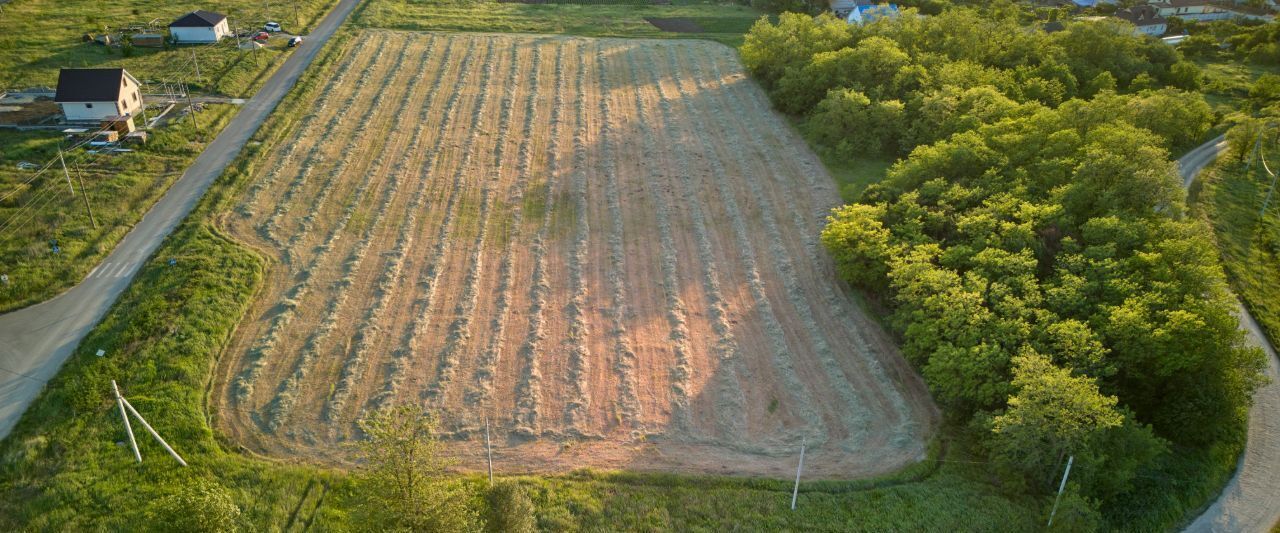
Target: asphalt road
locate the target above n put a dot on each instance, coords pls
(1251, 501)
(35, 341)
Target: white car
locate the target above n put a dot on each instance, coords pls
(273, 27)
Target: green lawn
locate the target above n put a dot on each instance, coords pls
(37, 37)
(725, 22)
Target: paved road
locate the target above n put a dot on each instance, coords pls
(1251, 501)
(34, 342)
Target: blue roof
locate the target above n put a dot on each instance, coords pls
(878, 9)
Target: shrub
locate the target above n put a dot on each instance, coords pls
(509, 509)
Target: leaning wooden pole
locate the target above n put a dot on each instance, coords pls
(125, 416)
(153, 432)
(488, 449)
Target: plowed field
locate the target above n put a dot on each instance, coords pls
(607, 248)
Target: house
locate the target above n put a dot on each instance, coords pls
(98, 94)
(1197, 10)
(867, 13)
(842, 8)
(1246, 12)
(1146, 20)
(200, 27)
(861, 11)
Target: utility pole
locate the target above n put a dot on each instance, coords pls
(1061, 486)
(65, 173)
(1262, 157)
(124, 416)
(796, 490)
(191, 108)
(85, 194)
(153, 432)
(488, 449)
(196, 60)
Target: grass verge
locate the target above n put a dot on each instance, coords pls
(1231, 196)
(120, 189)
(721, 22)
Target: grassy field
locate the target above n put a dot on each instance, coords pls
(1231, 199)
(120, 189)
(725, 22)
(37, 37)
(62, 468)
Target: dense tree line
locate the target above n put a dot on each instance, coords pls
(1032, 244)
(1248, 41)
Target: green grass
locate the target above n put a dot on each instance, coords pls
(1250, 243)
(1227, 82)
(723, 22)
(37, 37)
(120, 189)
(63, 469)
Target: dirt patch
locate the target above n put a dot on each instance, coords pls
(605, 248)
(675, 25)
(28, 112)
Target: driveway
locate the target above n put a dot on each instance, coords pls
(35, 341)
(1251, 501)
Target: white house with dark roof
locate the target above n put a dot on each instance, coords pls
(1146, 20)
(95, 94)
(200, 27)
(1197, 10)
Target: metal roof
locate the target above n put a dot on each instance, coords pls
(89, 84)
(198, 19)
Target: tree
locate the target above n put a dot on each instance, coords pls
(854, 125)
(768, 49)
(201, 506)
(859, 244)
(509, 509)
(1185, 75)
(403, 476)
(870, 67)
(1266, 89)
(1052, 414)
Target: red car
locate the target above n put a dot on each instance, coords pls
(262, 36)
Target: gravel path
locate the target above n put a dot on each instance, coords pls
(1251, 501)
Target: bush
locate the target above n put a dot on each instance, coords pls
(509, 509)
(202, 506)
(852, 124)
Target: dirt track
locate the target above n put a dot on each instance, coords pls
(607, 247)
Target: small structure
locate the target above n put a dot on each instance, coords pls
(867, 13)
(97, 94)
(1146, 20)
(200, 27)
(148, 40)
(1197, 10)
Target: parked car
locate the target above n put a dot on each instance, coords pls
(295, 42)
(273, 27)
(262, 36)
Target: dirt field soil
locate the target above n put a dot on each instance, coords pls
(607, 248)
